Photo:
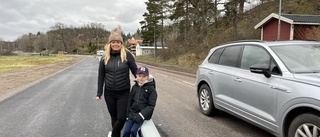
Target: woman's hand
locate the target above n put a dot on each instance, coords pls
(98, 98)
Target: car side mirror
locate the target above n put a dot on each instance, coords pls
(261, 69)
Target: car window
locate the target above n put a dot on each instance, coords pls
(254, 55)
(214, 58)
(230, 56)
(299, 58)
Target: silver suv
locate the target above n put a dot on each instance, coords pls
(274, 85)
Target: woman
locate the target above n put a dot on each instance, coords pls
(113, 75)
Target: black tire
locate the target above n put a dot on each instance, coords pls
(303, 124)
(206, 101)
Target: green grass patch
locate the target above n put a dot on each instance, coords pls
(15, 62)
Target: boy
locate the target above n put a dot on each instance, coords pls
(142, 100)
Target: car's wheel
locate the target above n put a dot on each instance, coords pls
(206, 101)
(305, 125)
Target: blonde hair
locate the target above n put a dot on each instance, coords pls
(107, 52)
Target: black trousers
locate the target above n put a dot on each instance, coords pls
(117, 106)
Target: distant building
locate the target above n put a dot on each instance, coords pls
(292, 26)
(138, 49)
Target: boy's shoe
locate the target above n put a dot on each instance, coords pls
(110, 133)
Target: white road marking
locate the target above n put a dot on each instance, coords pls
(184, 82)
(162, 75)
(188, 83)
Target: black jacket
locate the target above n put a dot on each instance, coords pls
(142, 100)
(114, 75)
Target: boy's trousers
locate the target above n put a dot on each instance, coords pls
(131, 128)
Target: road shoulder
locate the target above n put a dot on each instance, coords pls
(12, 82)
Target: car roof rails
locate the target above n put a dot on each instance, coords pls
(291, 40)
(247, 40)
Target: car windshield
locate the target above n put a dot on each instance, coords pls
(299, 58)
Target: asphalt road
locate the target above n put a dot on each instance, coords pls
(64, 105)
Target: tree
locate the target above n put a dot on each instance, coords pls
(96, 30)
(231, 15)
(241, 8)
(150, 23)
(180, 15)
(59, 33)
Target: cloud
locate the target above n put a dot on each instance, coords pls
(19, 17)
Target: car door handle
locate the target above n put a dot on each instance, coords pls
(273, 87)
(278, 88)
(237, 79)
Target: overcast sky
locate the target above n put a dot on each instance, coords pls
(19, 17)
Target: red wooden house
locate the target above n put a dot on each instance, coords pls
(292, 27)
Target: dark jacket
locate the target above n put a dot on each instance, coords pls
(142, 100)
(114, 75)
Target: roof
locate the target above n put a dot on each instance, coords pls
(303, 18)
(133, 41)
(292, 19)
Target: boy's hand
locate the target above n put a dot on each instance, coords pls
(138, 118)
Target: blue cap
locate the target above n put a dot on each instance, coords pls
(143, 70)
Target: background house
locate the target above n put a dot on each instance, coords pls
(292, 27)
(138, 49)
(133, 44)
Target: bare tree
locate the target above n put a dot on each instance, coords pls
(96, 30)
(59, 30)
(241, 8)
(41, 43)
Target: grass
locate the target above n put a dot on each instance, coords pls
(15, 62)
(187, 64)
(188, 61)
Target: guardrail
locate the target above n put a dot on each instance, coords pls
(148, 129)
